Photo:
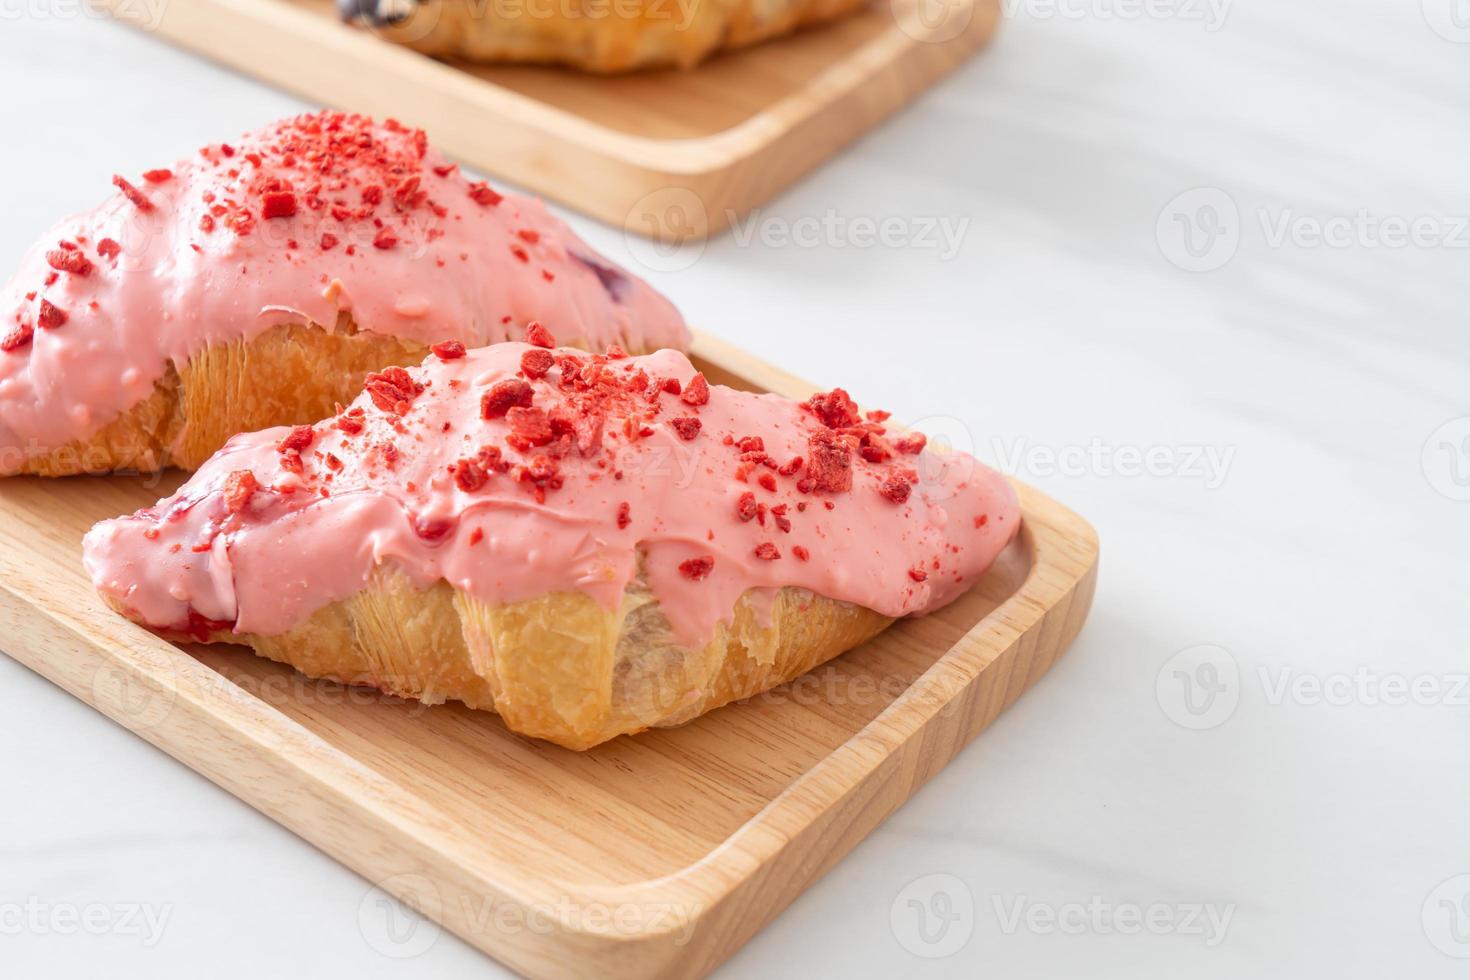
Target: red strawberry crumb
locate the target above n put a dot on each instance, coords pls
(206, 223)
(529, 427)
(791, 466)
(50, 316)
(469, 475)
(108, 249)
(238, 488)
(686, 427)
(278, 204)
(69, 260)
(834, 408)
(539, 336)
(17, 338)
(482, 194)
(393, 389)
(504, 396)
(625, 516)
(477, 535)
(767, 481)
(697, 568)
(140, 201)
(535, 363)
(520, 253)
(372, 194)
(449, 350)
(616, 353)
(297, 438)
(158, 176)
(982, 520)
(830, 462)
(697, 391)
(385, 239)
(766, 551)
(528, 236)
(801, 553)
(746, 507)
(895, 489)
(670, 385)
(911, 444)
(918, 574)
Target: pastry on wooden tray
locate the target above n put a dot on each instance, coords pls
(610, 36)
(257, 282)
(589, 545)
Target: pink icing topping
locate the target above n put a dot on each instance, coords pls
(312, 215)
(581, 462)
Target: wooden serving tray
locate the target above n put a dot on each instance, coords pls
(675, 155)
(655, 855)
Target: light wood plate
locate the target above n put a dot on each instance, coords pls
(655, 855)
(676, 155)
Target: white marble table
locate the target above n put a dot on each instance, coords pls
(1256, 759)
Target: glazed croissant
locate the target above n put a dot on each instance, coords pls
(257, 283)
(588, 545)
(612, 36)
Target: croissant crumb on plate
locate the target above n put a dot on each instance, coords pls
(612, 36)
(588, 545)
(256, 284)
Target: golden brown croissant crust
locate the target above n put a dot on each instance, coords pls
(560, 667)
(594, 35)
(195, 409)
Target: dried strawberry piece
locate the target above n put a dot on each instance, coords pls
(351, 423)
(528, 427)
(801, 553)
(895, 490)
(766, 551)
(670, 385)
(299, 438)
(490, 457)
(911, 444)
(108, 249)
(778, 514)
(875, 449)
(746, 507)
(625, 515)
(697, 391)
(433, 528)
(372, 194)
(158, 176)
(528, 236)
(697, 568)
(686, 427)
(539, 336)
(449, 350)
(17, 338)
(829, 464)
(482, 194)
(504, 396)
(536, 363)
(791, 466)
(278, 204)
(140, 201)
(918, 574)
(615, 353)
(834, 408)
(239, 487)
(469, 475)
(291, 462)
(50, 317)
(752, 444)
(329, 241)
(69, 260)
(542, 473)
(393, 389)
(982, 520)
(385, 239)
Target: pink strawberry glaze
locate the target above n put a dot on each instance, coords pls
(176, 288)
(292, 550)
